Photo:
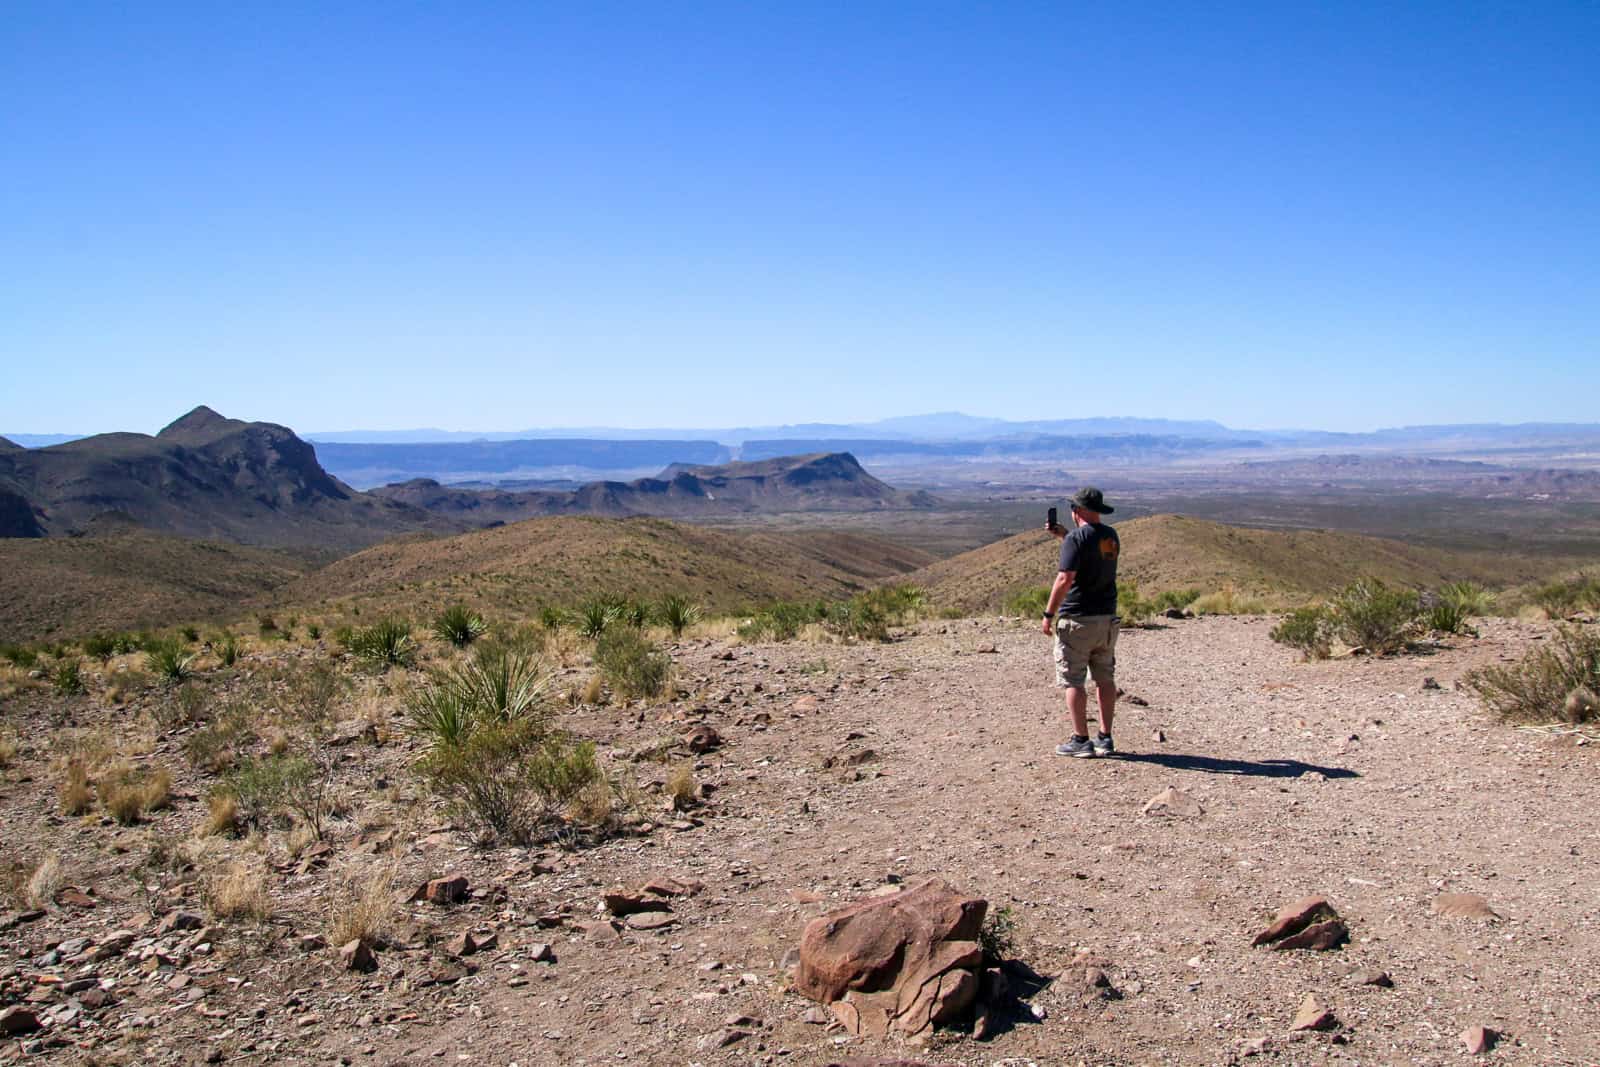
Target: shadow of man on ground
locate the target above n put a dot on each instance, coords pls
(1271, 768)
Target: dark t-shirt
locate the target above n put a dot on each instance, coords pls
(1090, 552)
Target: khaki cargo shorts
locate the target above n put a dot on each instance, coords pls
(1086, 644)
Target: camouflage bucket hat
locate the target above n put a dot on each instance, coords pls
(1090, 499)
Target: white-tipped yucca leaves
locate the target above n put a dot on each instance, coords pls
(497, 685)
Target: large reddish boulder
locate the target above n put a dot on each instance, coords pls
(907, 962)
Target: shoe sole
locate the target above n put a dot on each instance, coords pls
(1086, 754)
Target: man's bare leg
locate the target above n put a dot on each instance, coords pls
(1107, 695)
(1078, 709)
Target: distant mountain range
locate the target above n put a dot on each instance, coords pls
(819, 482)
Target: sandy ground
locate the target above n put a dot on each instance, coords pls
(1347, 778)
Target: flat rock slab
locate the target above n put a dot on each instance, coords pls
(1313, 1015)
(1478, 1039)
(1464, 906)
(1308, 923)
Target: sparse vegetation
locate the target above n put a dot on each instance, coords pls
(222, 813)
(596, 616)
(266, 791)
(362, 910)
(1227, 601)
(1557, 681)
(1029, 602)
(499, 684)
(226, 646)
(998, 936)
(239, 892)
(632, 665)
(1563, 599)
(19, 655)
(128, 792)
(74, 792)
(682, 788)
(459, 626)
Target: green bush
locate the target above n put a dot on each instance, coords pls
(19, 655)
(1132, 608)
(169, 660)
(510, 780)
(267, 789)
(782, 621)
(552, 618)
(1556, 681)
(861, 618)
(459, 626)
(1473, 599)
(101, 646)
(386, 643)
(1174, 598)
(677, 614)
(1564, 598)
(632, 665)
(68, 677)
(313, 631)
(1370, 615)
(189, 633)
(998, 935)
(226, 646)
(1307, 629)
(1029, 602)
(499, 684)
(1447, 617)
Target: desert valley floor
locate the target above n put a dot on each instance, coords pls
(845, 768)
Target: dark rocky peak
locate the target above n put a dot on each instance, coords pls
(8, 445)
(200, 426)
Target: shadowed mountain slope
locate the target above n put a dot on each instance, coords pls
(819, 482)
(563, 560)
(204, 476)
(1171, 551)
(127, 578)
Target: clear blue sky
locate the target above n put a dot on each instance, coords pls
(495, 216)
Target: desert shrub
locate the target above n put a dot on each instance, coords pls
(1308, 629)
(266, 625)
(998, 935)
(459, 626)
(1227, 601)
(362, 910)
(127, 792)
(635, 613)
(1369, 614)
(265, 790)
(214, 747)
(782, 621)
(100, 646)
(682, 788)
(169, 660)
(594, 617)
(9, 748)
(1174, 598)
(631, 664)
(1473, 599)
(1132, 608)
(37, 886)
(238, 891)
(74, 793)
(510, 780)
(190, 634)
(68, 677)
(1028, 602)
(1561, 599)
(19, 655)
(677, 614)
(593, 690)
(183, 706)
(1556, 681)
(386, 643)
(1447, 617)
(552, 618)
(861, 618)
(501, 683)
(312, 691)
(313, 630)
(222, 813)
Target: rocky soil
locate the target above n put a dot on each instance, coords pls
(1134, 886)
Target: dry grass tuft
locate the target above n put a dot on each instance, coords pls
(74, 792)
(39, 889)
(681, 787)
(363, 911)
(593, 690)
(594, 805)
(127, 792)
(239, 891)
(222, 814)
(8, 751)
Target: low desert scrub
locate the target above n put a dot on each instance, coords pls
(1308, 629)
(593, 691)
(459, 626)
(1369, 614)
(313, 690)
(510, 780)
(184, 706)
(386, 643)
(499, 684)
(1557, 681)
(1560, 600)
(1473, 599)
(222, 814)
(362, 910)
(682, 789)
(19, 655)
(782, 621)
(74, 792)
(215, 747)
(633, 666)
(226, 646)
(266, 791)
(9, 750)
(68, 677)
(127, 792)
(1227, 601)
(239, 892)
(998, 936)
(1028, 603)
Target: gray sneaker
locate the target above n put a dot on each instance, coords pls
(1078, 746)
(1103, 745)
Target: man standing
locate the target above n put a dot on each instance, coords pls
(1082, 613)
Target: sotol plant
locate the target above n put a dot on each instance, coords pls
(459, 626)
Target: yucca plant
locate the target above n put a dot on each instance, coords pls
(499, 684)
(169, 660)
(552, 618)
(1472, 598)
(226, 646)
(595, 615)
(459, 626)
(678, 614)
(386, 643)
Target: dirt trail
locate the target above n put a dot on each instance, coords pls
(1346, 778)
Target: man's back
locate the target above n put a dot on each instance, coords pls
(1090, 552)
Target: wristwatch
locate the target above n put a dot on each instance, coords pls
(1049, 614)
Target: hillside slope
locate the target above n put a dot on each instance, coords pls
(1172, 551)
(564, 560)
(203, 476)
(66, 586)
(818, 482)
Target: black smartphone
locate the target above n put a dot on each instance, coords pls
(1050, 518)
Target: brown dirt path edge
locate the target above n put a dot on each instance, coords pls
(1344, 778)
